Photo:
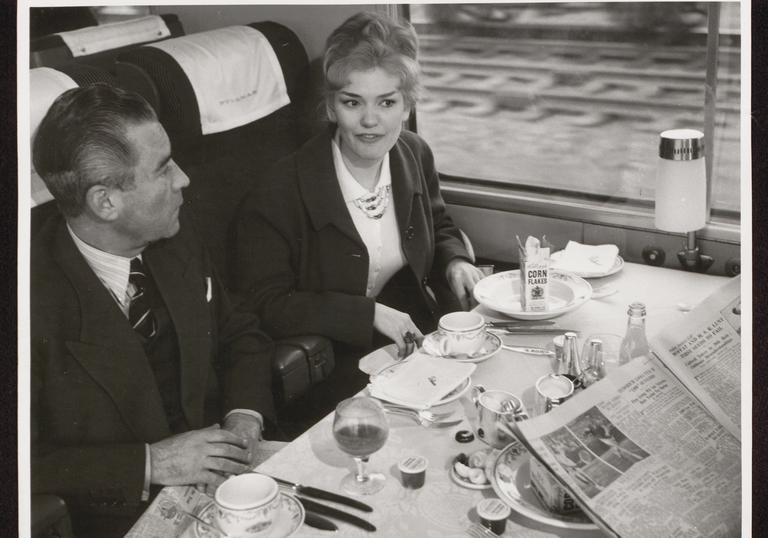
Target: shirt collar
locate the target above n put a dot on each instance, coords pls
(112, 270)
(350, 188)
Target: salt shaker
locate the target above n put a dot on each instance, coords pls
(594, 364)
(571, 362)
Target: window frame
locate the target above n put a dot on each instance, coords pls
(723, 226)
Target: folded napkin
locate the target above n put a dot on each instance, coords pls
(93, 39)
(421, 381)
(234, 73)
(585, 259)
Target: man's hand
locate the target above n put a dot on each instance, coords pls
(462, 277)
(204, 456)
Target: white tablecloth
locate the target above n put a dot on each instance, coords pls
(442, 509)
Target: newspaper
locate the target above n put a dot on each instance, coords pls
(168, 515)
(654, 448)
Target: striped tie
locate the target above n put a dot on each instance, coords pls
(140, 313)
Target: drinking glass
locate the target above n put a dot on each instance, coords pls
(360, 429)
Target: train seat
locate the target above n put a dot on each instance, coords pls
(53, 51)
(223, 164)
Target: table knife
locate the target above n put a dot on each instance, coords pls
(529, 350)
(518, 323)
(318, 522)
(323, 494)
(335, 513)
(533, 330)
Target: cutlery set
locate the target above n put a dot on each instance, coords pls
(317, 513)
(424, 417)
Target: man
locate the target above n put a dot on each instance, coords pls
(137, 354)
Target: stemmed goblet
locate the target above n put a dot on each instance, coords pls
(360, 429)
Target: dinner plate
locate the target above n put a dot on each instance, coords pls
(501, 292)
(491, 346)
(617, 266)
(511, 480)
(290, 516)
(455, 394)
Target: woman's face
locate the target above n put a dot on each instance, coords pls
(369, 112)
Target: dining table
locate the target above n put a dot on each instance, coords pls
(441, 507)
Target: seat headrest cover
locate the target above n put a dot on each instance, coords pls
(95, 39)
(45, 85)
(234, 73)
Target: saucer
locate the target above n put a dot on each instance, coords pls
(491, 346)
(466, 483)
(290, 516)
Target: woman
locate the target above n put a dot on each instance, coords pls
(349, 237)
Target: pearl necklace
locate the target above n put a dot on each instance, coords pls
(375, 204)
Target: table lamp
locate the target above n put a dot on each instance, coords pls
(681, 192)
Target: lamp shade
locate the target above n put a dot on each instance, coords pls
(681, 181)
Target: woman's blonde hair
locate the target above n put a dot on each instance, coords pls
(368, 40)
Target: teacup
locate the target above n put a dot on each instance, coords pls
(246, 505)
(493, 417)
(460, 333)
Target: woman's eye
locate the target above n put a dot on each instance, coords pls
(349, 102)
(387, 103)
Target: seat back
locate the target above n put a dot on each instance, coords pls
(51, 50)
(221, 166)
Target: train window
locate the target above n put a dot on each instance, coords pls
(569, 99)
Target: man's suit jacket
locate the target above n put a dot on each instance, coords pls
(300, 260)
(94, 400)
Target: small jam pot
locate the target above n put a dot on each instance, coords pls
(413, 470)
(493, 514)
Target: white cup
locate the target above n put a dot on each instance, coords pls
(460, 333)
(246, 505)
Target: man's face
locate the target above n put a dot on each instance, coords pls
(149, 210)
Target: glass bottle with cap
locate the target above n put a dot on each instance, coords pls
(635, 343)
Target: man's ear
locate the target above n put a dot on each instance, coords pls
(103, 202)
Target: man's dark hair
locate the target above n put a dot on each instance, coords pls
(81, 142)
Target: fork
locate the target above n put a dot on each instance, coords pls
(478, 531)
(429, 414)
(423, 417)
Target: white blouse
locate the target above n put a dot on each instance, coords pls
(381, 236)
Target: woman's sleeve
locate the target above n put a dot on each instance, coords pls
(268, 238)
(448, 240)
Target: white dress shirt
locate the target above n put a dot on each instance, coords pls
(380, 236)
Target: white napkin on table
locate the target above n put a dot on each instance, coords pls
(586, 259)
(421, 381)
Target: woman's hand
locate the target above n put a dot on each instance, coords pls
(398, 327)
(462, 277)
